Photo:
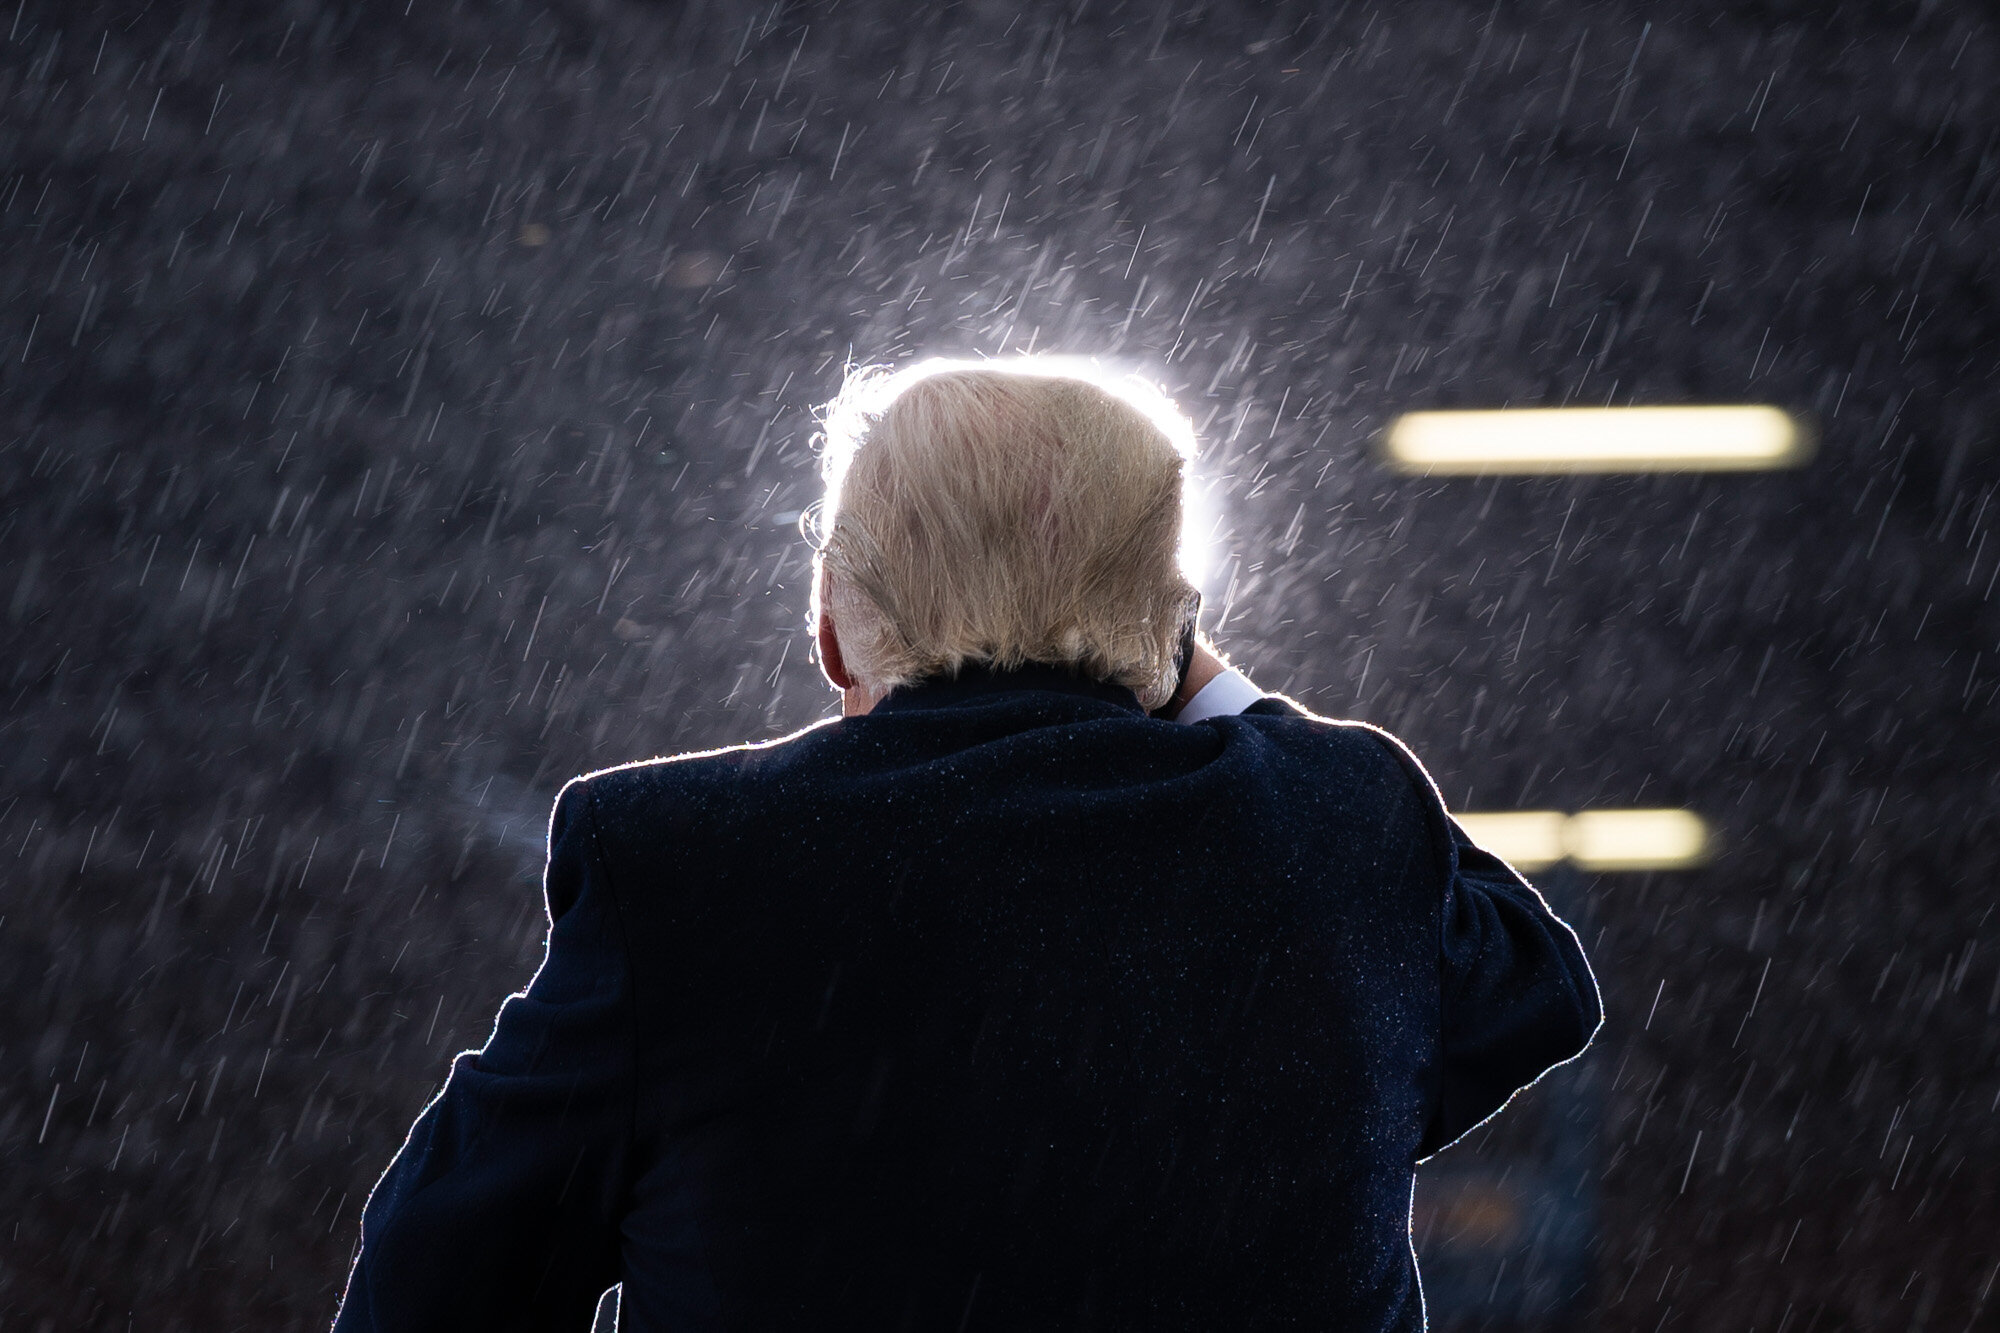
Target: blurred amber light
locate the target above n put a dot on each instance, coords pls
(1524, 839)
(1596, 439)
(1660, 839)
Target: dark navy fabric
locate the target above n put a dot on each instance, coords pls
(1003, 1007)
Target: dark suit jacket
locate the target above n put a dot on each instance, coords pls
(1002, 1007)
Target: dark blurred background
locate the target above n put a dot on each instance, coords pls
(407, 405)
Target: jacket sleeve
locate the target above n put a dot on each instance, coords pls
(502, 1208)
(1517, 997)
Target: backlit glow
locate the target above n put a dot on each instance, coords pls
(1202, 536)
(1594, 840)
(1596, 439)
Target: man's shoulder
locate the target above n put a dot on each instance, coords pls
(1276, 740)
(1289, 723)
(1280, 714)
(647, 779)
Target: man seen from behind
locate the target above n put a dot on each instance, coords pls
(1067, 981)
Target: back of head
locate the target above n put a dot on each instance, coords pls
(1005, 513)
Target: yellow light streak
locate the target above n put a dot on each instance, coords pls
(1524, 839)
(1596, 439)
(1636, 839)
(1652, 839)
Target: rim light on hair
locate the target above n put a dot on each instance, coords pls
(1001, 513)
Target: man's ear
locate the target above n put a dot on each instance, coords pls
(831, 663)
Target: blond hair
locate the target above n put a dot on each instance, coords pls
(1003, 513)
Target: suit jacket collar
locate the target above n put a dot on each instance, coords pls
(976, 683)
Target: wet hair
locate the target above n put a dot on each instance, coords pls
(1004, 513)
